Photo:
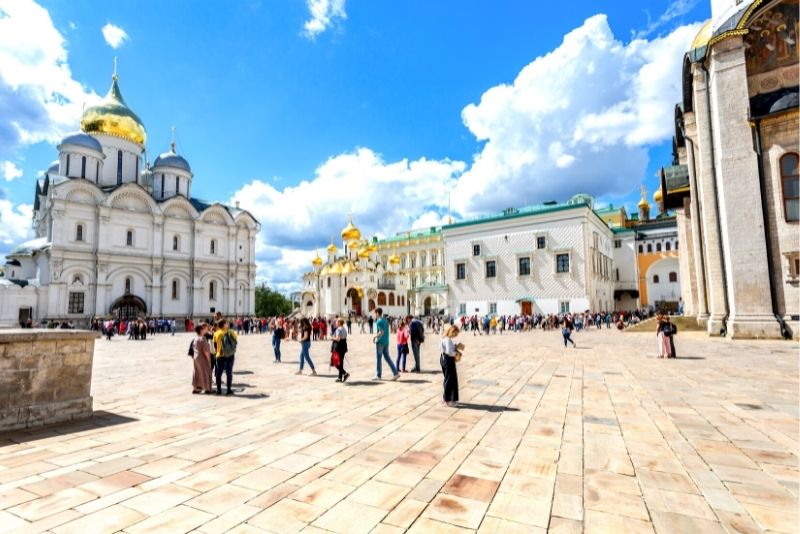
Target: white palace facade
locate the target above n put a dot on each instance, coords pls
(115, 240)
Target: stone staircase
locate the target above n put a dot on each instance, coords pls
(684, 324)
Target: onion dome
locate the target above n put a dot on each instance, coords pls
(336, 268)
(644, 204)
(703, 35)
(372, 247)
(363, 253)
(349, 267)
(350, 232)
(53, 168)
(113, 117)
(657, 196)
(332, 249)
(81, 139)
(316, 262)
(172, 159)
(394, 259)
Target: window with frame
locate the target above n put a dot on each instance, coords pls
(176, 243)
(491, 269)
(413, 262)
(492, 307)
(673, 276)
(213, 247)
(461, 271)
(658, 247)
(790, 181)
(541, 242)
(128, 285)
(617, 243)
(524, 264)
(649, 247)
(476, 249)
(83, 166)
(212, 291)
(129, 238)
(433, 259)
(79, 232)
(462, 309)
(641, 249)
(563, 306)
(616, 274)
(668, 246)
(76, 299)
(329, 282)
(174, 290)
(422, 260)
(562, 263)
(655, 279)
(67, 173)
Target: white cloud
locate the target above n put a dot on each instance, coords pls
(10, 171)
(323, 13)
(676, 9)
(114, 35)
(579, 118)
(39, 99)
(15, 223)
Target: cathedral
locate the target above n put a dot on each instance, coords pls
(118, 238)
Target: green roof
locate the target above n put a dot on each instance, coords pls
(515, 213)
(412, 234)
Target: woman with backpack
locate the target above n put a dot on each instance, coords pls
(225, 341)
(305, 346)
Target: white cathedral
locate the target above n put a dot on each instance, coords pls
(115, 240)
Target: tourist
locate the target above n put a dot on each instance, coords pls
(173, 326)
(370, 325)
(416, 334)
(349, 323)
(305, 346)
(402, 345)
(201, 377)
(670, 333)
(448, 361)
(277, 335)
(225, 341)
(663, 333)
(381, 341)
(566, 331)
(339, 347)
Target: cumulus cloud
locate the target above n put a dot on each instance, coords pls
(10, 171)
(114, 35)
(676, 9)
(39, 99)
(15, 224)
(580, 118)
(324, 13)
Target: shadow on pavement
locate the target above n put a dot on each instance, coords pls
(485, 407)
(363, 383)
(98, 419)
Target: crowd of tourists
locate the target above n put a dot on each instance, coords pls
(137, 329)
(489, 324)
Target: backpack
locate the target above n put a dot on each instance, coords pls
(191, 349)
(228, 344)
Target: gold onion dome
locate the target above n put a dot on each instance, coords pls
(113, 117)
(643, 203)
(332, 248)
(336, 268)
(363, 253)
(317, 261)
(372, 247)
(703, 36)
(394, 259)
(350, 232)
(657, 196)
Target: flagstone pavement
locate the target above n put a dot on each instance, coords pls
(602, 438)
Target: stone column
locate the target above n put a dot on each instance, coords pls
(709, 238)
(697, 265)
(685, 260)
(741, 214)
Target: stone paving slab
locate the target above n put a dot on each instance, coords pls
(602, 438)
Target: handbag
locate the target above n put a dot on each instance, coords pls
(335, 359)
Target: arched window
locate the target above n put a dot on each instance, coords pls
(79, 232)
(97, 172)
(177, 186)
(176, 243)
(658, 247)
(128, 285)
(212, 291)
(67, 173)
(119, 167)
(83, 166)
(162, 186)
(175, 290)
(77, 279)
(381, 299)
(655, 278)
(641, 249)
(668, 246)
(129, 238)
(673, 276)
(391, 299)
(649, 247)
(791, 187)
(213, 246)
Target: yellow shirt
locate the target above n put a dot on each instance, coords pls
(218, 340)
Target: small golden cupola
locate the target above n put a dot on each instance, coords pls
(317, 261)
(332, 249)
(644, 205)
(351, 232)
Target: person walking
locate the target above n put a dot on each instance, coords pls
(277, 336)
(225, 341)
(566, 331)
(449, 353)
(416, 335)
(201, 377)
(349, 323)
(173, 326)
(305, 347)
(402, 345)
(371, 324)
(339, 347)
(381, 341)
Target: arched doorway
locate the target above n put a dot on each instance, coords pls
(355, 300)
(128, 307)
(371, 305)
(427, 305)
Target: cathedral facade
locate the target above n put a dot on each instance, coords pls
(114, 239)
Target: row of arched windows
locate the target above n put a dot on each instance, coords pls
(649, 247)
(385, 299)
(673, 277)
(175, 288)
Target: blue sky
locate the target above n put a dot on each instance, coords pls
(305, 111)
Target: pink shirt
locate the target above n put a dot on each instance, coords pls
(402, 336)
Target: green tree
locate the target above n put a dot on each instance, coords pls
(270, 303)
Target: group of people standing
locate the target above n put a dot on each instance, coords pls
(213, 351)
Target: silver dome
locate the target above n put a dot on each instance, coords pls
(171, 159)
(83, 140)
(53, 168)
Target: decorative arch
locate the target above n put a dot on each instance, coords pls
(132, 197)
(244, 218)
(80, 191)
(687, 80)
(179, 207)
(391, 299)
(216, 213)
(381, 298)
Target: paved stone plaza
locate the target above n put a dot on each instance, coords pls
(602, 438)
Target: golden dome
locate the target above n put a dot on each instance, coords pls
(113, 117)
(332, 249)
(317, 261)
(703, 36)
(643, 204)
(657, 196)
(349, 267)
(363, 253)
(394, 259)
(372, 248)
(350, 232)
(325, 270)
(336, 268)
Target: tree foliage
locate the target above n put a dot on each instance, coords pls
(270, 303)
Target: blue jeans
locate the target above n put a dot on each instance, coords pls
(224, 365)
(415, 351)
(382, 350)
(276, 347)
(305, 346)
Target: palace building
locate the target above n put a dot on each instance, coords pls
(734, 181)
(114, 239)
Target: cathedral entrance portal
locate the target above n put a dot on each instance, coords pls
(355, 301)
(427, 305)
(128, 307)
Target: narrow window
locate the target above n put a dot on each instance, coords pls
(212, 287)
(119, 167)
(67, 164)
(658, 247)
(128, 285)
(129, 238)
(176, 244)
(491, 269)
(791, 187)
(673, 276)
(79, 233)
(174, 290)
(649, 247)
(213, 246)
(668, 246)
(177, 186)
(162, 186)
(655, 279)
(641, 249)
(83, 166)
(97, 173)
(476, 250)
(329, 282)
(540, 242)
(462, 309)
(562, 263)
(461, 271)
